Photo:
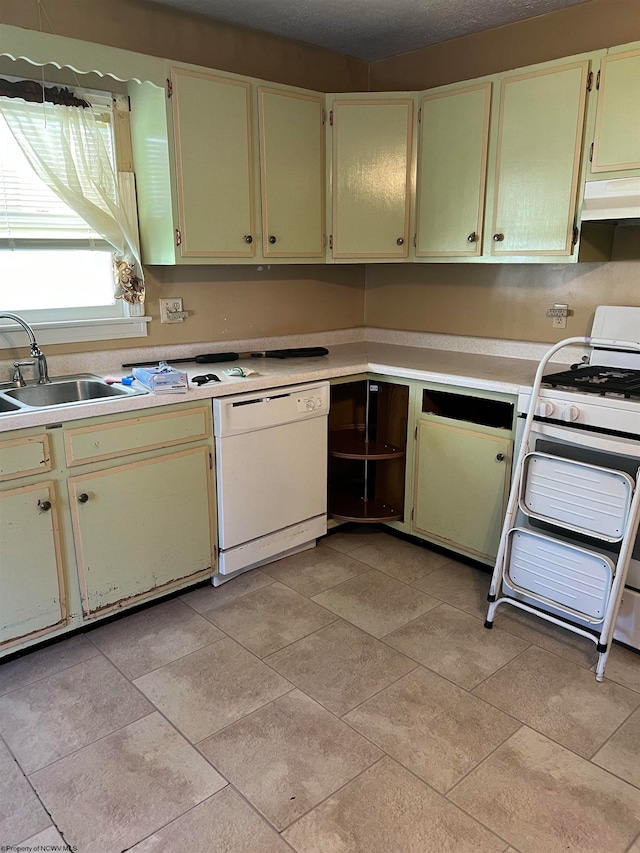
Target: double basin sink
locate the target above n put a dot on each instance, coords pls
(63, 391)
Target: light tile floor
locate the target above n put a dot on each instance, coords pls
(343, 700)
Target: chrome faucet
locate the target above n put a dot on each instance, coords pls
(36, 352)
(18, 378)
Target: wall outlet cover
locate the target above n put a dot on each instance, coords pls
(171, 310)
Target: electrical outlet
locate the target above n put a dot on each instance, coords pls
(558, 315)
(171, 310)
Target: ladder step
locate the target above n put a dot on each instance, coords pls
(576, 496)
(571, 578)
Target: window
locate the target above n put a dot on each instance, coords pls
(53, 268)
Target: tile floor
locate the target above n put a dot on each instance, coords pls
(343, 700)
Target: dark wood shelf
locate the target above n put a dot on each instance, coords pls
(381, 410)
(354, 508)
(352, 444)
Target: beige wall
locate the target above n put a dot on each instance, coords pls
(496, 300)
(229, 303)
(159, 30)
(236, 302)
(587, 26)
(224, 302)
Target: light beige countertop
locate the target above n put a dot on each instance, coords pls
(471, 370)
(464, 369)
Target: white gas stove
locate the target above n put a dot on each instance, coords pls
(603, 393)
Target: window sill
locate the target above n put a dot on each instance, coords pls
(75, 331)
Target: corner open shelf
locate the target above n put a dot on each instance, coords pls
(367, 446)
(354, 508)
(353, 443)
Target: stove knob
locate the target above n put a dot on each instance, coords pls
(545, 409)
(574, 413)
(570, 414)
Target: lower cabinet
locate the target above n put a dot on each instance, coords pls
(141, 526)
(32, 593)
(462, 471)
(449, 485)
(100, 513)
(367, 443)
(461, 482)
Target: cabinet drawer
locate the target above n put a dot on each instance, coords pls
(21, 457)
(109, 440)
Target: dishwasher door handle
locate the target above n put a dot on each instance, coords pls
(259, 400)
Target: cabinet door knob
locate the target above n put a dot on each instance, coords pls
(248, 238)
(44, 506)
(400, 241)
(498, 238)
(83, 498)
(500, 457)
(473, 237)
(272, 239)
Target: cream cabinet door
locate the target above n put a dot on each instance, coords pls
(461, 484)
(292, 171)
(212, 130)
(141, 527)
(452, 165)
(371, 177)
(616, 143)
(538, 159)
(32, 599)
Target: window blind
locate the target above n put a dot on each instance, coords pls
(31, 214)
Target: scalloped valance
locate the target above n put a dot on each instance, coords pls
(82, 56)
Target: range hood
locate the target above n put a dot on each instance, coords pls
(611, 200)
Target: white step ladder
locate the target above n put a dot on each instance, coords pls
(578, 581)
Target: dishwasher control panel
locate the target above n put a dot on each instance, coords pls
(272, 407)
(310, 402)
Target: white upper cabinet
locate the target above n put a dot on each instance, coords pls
(452, 166)
(228, 171)
(537, 163)
(497, 178)
(214, 165)
(616, 141)
(292, 173)
(371, 177)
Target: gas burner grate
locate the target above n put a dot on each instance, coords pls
(598, 380)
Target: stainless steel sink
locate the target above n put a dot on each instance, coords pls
(64, 391)
(6, 406)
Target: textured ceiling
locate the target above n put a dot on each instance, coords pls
(371, 29)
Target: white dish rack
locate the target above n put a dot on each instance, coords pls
(574, 577)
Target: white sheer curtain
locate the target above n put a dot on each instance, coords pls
(66, 149)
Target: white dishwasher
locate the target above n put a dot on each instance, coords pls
(271, 466)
